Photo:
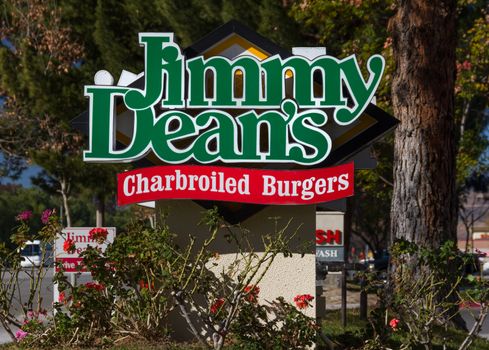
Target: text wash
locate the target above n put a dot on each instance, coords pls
(294, 122)
(236, 184)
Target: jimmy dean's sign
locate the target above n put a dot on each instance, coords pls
(295, 133)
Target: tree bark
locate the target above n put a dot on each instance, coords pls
(424, 205)
(64, 190)
(100, 210)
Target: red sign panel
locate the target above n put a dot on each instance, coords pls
(329, 237)
(258, 186)
(71, 264)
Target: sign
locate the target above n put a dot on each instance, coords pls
(293, 124)
(79, 239)
(329, 236)
(234, 98)
(172, 83)
(236, 184)
(329, 254)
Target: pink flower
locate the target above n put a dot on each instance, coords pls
(20, 334)
(217, 305)
(46, 214)
(98, 234)
(394, 323)
(480, 252)
(69, 246)
(302, 301)
(24, 216)
(465, 65)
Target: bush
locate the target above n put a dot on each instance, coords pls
(143, 275)
(275, 325)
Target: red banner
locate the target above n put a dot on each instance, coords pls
(71, 264)
(217, 183)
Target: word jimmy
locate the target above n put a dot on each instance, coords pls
(294, 125)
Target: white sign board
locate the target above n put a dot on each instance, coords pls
(78, 238)
(329, 236)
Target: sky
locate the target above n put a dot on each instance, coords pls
(25, 178)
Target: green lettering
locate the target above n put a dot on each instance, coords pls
(102, 125)
(163, 58)
(163, 137)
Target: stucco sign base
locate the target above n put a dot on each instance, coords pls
(287, 277)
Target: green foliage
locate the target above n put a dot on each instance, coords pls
(361, 27)
(423, 295)
(130, 296)
(350, 27)
(241, 11)
(15, 199)
(143, 275)
(204, 15)
(275, 325)
(275, 24)
(354, 335)
(471, 90)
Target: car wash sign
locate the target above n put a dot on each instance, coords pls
(217, 123)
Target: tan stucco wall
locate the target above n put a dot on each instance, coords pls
(286, 277)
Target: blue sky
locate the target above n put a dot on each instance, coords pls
(25, 178)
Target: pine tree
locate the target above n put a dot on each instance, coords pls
(244, 11)
(276, 25)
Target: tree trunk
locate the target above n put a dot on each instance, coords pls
(424, 205)
(64, 194)
(100, 210)
(424, 202)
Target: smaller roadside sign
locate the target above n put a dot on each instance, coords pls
(330, 253)
(330, 240)
(75, 240)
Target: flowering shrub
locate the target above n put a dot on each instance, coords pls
(420, 303)
(20, 335)
(229, 290)
(143, 275)
(251, 293)
(303, 301)
(394, 323)
(26, 215)
(98, 234)
(69, 246)
(216, 306)
(129, 296)
(278, 324)
(46, 215)
(20, 303)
